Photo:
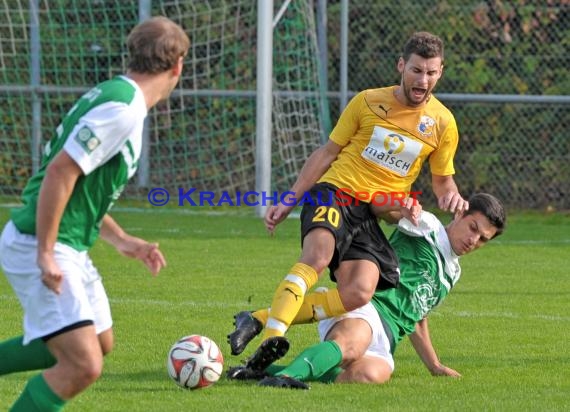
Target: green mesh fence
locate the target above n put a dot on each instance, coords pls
(204, 136)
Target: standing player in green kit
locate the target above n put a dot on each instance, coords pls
(43, 248)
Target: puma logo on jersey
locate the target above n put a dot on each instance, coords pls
(384, 109)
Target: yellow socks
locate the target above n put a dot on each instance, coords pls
(288, 299)
(316, 306)
(320, 305)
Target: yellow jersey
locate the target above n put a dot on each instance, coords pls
(386, 143)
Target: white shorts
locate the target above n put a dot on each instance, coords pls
(379, 345)
(82, 297)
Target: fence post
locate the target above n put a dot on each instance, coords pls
(323, 65)
(264, 102)
(343, 54)
(144, 162)
(35, 62)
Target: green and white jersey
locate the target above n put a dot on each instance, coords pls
(102, 133)
(428, 270)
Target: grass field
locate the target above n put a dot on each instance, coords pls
(504, 327)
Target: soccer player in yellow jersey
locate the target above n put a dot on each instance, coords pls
(371, 160)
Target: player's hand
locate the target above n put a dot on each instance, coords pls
(442, 370)
(411, 210)
(453, 202)
(148, 253)
(52, 276)
(276, 214)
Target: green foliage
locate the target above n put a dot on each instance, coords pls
(518, 151)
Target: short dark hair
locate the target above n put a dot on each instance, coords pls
(490, 207)
(155, 45)
(423, 44)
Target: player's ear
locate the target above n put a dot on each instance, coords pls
(177, 69)
(401, 64)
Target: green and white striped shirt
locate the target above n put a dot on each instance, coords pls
(102, 133)
(428, 271)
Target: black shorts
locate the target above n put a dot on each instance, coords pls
(356, 231)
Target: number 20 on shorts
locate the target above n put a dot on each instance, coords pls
(328, 214)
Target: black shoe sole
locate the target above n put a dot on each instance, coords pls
(283, 382)
(269, 351)
(241, 373)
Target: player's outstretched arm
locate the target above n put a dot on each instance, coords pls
(421, 342)
(131, 246)
(315, 166)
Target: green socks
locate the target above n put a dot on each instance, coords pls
(38, 397)
(317, 363)
(19, 358)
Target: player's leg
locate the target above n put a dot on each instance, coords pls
(368, 369)
(316, 363)
(352, 334)
(356, 282)
(369, 264)
(79, 361)
(323, 229)
(17, 357)
(79, 364)
(362, 254)
(17, 258)
(316, 306)
(68, 322)
(77, 348)
(106, 341)
(347, 338)
(318, 249)
(373, 365)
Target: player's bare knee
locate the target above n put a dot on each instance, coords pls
(88, 373)
(352, 345)
(353, 298)
(377, 376)
(74, 377)
(319, 262)
(368, 375)
(350, 354)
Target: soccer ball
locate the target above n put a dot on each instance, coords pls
(195, 362)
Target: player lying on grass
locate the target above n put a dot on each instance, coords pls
(359, 346)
